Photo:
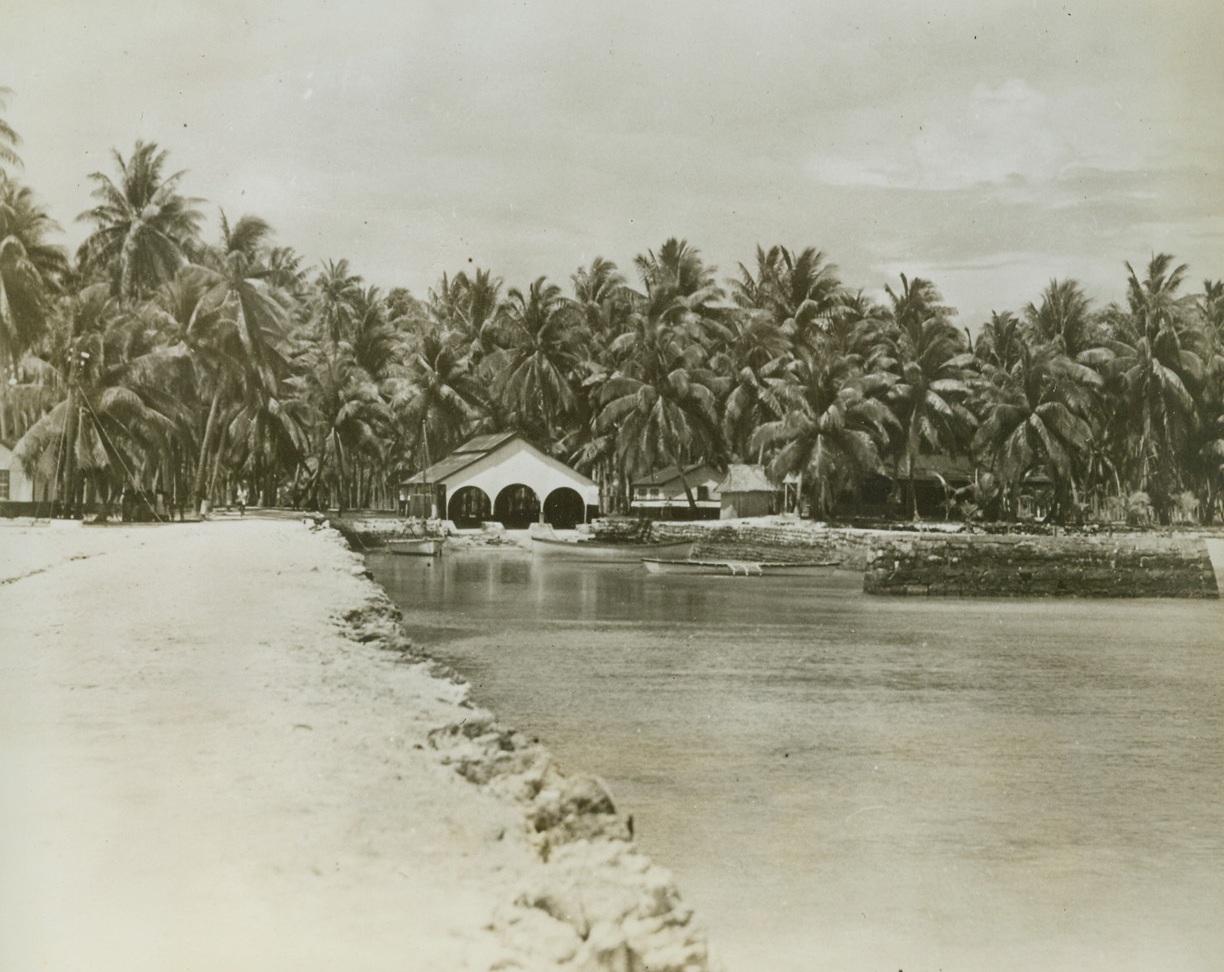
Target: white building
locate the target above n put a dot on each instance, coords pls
(16, 489)
(502, 477)
(662, 494)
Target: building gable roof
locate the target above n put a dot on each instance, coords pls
(670, 474)
(471, 451)
(936, 467)
(476, 449)
(484, 443)
(742, 478)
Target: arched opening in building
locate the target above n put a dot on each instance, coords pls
(517, 507)
(469, 507)
(564, 508)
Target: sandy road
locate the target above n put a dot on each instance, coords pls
(198, 770)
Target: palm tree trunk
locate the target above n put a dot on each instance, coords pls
(688, 492)
(72, 424)
(202, 463)
(212, 479)
(340, 476)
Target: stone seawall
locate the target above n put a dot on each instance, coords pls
(1126, 565)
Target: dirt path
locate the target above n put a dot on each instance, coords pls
(200, 771)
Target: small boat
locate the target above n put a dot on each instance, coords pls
(627, 553)
(416, 546)
(737, 568)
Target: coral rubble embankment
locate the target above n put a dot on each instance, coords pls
(941, 560)
(220, 751)
(1125, 565)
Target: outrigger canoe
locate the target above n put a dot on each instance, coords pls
(625, 553)
(737, 568)
(417, 546)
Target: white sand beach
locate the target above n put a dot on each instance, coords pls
(203, 768)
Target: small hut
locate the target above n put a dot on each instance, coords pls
(747, 492)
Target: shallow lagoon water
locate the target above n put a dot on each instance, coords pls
(851, 783)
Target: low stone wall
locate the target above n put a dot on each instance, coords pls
(1125, 565)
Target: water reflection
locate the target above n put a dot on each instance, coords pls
(492, 586)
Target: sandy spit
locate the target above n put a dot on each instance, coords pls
(218, 752)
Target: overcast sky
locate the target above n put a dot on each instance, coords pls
(989, 146)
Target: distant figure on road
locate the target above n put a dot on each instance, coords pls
(242, 500)
(403, 502)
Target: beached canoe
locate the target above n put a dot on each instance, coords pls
(737, 568)
(627, 553)
(417, 546)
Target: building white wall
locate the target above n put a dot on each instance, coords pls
(21, 489)
(649, 496)
(519, 462)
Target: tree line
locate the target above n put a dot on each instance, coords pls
(165, 358)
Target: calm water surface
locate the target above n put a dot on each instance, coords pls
(848, 783)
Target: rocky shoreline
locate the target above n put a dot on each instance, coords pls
(596, 903)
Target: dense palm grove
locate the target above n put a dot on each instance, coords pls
(172, 359)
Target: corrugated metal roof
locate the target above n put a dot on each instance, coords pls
(440, 471)
(484, 443)
(461, 458)
(742, 478)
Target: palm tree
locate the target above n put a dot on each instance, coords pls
(267, 438)
(31, 270)
(337, 293)
(9, 139)
(444, 401)
(832, 429)
(1159, 377)
(534, 375)
(106, 430)
(678, 271)
(378, 344)
(286, 272)
(1064, 320)
(143, 227)
(1207, 449)
(244, 292)
(915, 302)
(661, 401)
(605, 300)
(752, 354)
(802, 291)
(1036, 417)
(351, 422)
(1000, 344)
(858, 328)
(237, 331)
(929, 393)
(469, 307)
